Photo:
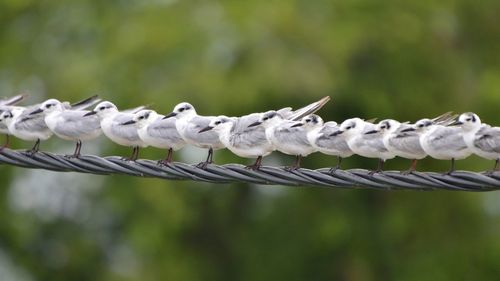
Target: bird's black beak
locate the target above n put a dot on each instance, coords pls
(38, 110)
(90, 113)
(207, 128)
(408, 130)
(456, 123)
(339, 132)
(298, 125)
(130, 122)
(371, 132)
(171, 114)
(255, 124)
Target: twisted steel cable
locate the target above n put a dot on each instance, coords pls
(351, 179)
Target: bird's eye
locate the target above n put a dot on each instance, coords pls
(420, 125)
(348, 127)
(181, 109)
(141, 117)
(102, 108)
(48, 105)
(468, 119)
(217, 122)
(308, 120)
(265, 118)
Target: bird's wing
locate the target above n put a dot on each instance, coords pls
(447, 138)
(28, 122)
(12, 100)
(241, 124)
(86, 103)
(291, 135)
(308, 109)
(73, 123)
(163, 128)
(488, 139)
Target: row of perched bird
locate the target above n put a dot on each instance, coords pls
(294, 132)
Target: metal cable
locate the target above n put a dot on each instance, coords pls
(352, 179)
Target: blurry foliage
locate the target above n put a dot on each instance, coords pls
(386, 59)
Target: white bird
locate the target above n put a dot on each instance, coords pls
(482, 139)
(327, 140)
(30, 124)
(404, 140)
(444, 142)
(363, 139)
(245, 136)
(112, 125)
(189, 124)
(7, 104)
(158, 132)
(290, 137)
(70, 124)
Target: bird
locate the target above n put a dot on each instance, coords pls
(70, 124)
(30, 124)
(482, 139)
(245, 136)
(443, 142)
(326, 140)
(404, 141)
(8, 104)
(189, 124)
(364, 140)
(112, 125)
(290, 137)
(157, 132)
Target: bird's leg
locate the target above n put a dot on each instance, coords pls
(35, 148)
(168, 158)
(334, 169)
(412, 169)
(203, 165)
(495, 168)
(7, 142)
(452, 169)
(296, 164)
(256, 165)
(380, 167)
(76, 153)
(135, 153)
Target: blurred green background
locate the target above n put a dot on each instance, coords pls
(386, 59)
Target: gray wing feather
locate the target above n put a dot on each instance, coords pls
(308, 109)
(294, 136)
(198, 123)
(448, 138)
(12, 100)
(164, 129)
(76, 125)
(406, 141)
(31, 123)
(125, 131)
(488, 139)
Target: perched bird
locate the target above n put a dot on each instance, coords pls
(482, 139)
(290, 137)
(112, 125)
(189, 124)
(157, 132)
(7, 104)
(70, 124)
(404, 141)
(443, 142)
(245, 136)
(363, 139)
(325, 139)
(30, 124)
